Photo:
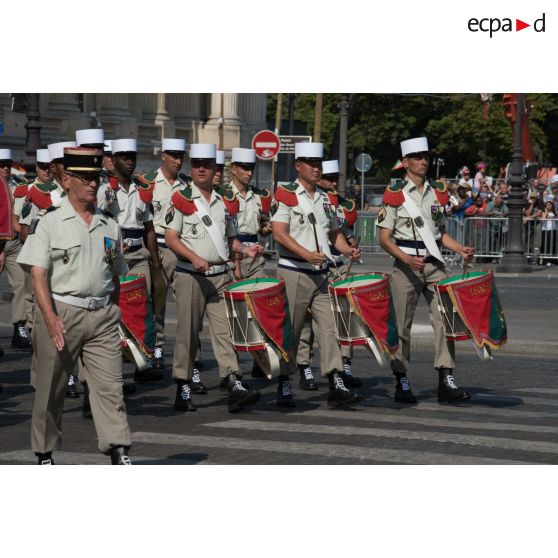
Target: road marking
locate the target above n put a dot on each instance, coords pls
(553, 402)
(548, 391)
(423, 436)
(78, 458)
(425, 421)
(339, 451)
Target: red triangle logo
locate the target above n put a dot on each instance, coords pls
(519, 25)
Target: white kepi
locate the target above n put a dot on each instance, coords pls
(309, 150)
(330, 167)
(43, 156)
(203, 151)
(220, 158)
(107, 147)
(56, 150)
(242, 155)
(127, 145)
(173, 144)
(91, 136)
(5, 154)
(415, 145)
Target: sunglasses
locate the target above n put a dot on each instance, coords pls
(86, 178)
(199, 163)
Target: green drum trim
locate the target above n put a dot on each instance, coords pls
(471, 275)
(128, 278)
(347, 282)
(246, 282)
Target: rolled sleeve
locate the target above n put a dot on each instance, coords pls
(37, 250)
(283, 214)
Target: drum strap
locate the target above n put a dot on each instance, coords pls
(306, 208)
(424, 232)
(212, 230)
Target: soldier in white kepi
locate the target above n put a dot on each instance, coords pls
(412, 222)
(92, 137)
(128, 198)
(219, 169)
(200, 230)
(304, 226)
(165, 180)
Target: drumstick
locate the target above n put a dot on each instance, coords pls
(357, 242)
(312, 219)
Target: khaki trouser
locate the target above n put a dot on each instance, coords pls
(252, 267)
(305, 353)
(305, 292)
(168, 263)
(20, 282)
(92, 337)
(196, 295)
(406, 287)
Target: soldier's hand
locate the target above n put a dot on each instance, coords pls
(56, 331)
(468, 253)
(252, 251)
(2, 261)
(354, 253)
(416, 262)
(237, 274)
(316, 258)
(200, 265)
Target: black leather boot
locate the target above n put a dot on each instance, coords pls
(86, 407)
(306, 382)
(285, 393)
(158, 359)
(239, 396)
(347, 375)
(183, 400)
(71, 388)
(403, 392)
(20, 337)
(44, 458)
(196, 385)
(448, 390)
(339, 394)
(119, 456)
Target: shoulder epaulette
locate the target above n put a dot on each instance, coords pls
(441, 191)
(286, 193)
(21, 191)
(148, 176)
(145, 187)
(40, 195)
(393, 195)
(182, 200)
(113, 182)
(222, 189)
(265, 198)
(184, 177)
(333, 197)
(230, 200)
(349, 209)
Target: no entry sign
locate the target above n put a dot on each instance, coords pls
(266, 144)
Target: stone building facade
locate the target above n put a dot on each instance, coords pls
(146, 116)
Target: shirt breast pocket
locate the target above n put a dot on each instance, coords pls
(65, 251)
(193, 230)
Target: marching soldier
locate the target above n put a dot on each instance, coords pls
(201, 232)
(412, 230)
(346, 214)
(219, 169)
(128, 199)
(75, 259)
(108, 167)
(252, 218)
(304, 224)
(166, 180)
(6, 223)
(16, 277)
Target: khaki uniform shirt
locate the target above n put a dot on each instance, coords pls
(37, 213)
(192, 231)
(397, 219)
(161, 198)
(128, 209)
(248, 218)
(74, 254)
(300, 227)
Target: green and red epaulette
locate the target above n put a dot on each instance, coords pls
(145, 187)
(265, 198)
(113, 183)
(21, 191)
(350, 210)
(230, 200)
(40, 194)
(333, 197)
(287, 194)
(442, 192)
(393, 195)
(182, 200)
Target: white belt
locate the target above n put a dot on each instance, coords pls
(90, 302)
(213, 270)
(413, 251)
(132, 241)
(295, 264)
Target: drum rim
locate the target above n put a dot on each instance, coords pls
(459, 277)
(244, 282)
(348, 280)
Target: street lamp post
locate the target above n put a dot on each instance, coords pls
(343, 125)
(513, 260)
